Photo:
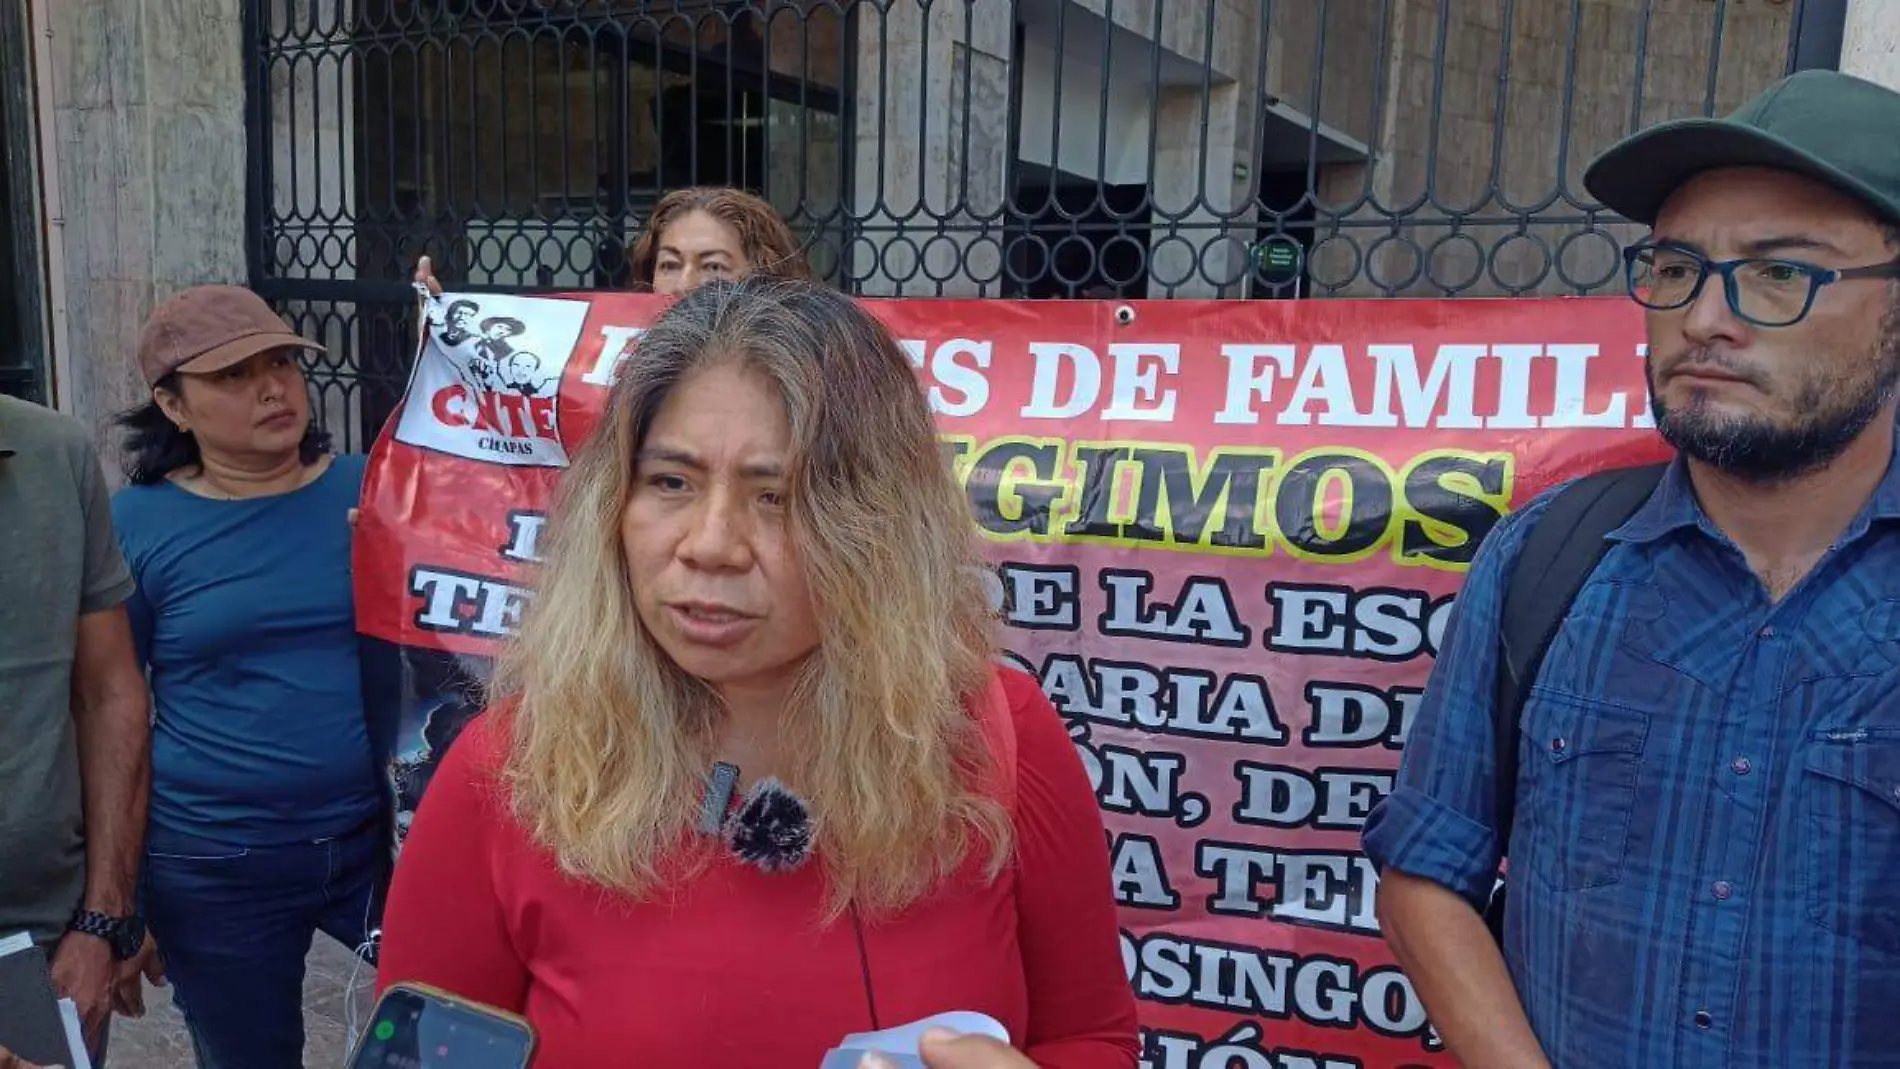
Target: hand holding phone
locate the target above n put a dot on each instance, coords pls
(420, 1027)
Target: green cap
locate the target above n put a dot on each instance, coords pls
(1831, 127)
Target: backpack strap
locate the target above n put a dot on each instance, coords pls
(1558, 556)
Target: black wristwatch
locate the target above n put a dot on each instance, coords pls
(125, 935)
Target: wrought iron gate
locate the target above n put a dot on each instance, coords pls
(23, 345)
(1252, 149)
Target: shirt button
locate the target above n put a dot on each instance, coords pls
(1557, 745)
(1703, 1020)
(1741, 767)
(1722, 890)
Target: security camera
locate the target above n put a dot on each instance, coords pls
(1124, 314)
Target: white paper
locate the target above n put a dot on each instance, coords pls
(904, 1039)
(15, 943)
(900, 1044)
(75, 1035)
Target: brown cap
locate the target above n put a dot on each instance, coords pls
(210, 328)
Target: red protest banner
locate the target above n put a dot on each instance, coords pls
(1226, 537)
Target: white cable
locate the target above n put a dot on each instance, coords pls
(361, 955)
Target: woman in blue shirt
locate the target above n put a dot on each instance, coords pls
(266, 813)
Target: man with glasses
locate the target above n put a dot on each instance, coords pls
(1705, 847)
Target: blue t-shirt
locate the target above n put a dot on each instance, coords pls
(245, 621)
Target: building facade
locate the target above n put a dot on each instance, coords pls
(1246, 149)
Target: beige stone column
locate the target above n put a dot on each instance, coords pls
(1870, 42)
(1206, 151)
(148, 156)
(931, 147)
(1205, 155)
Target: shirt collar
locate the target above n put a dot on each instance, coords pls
(1673, 506)
(1886, 500)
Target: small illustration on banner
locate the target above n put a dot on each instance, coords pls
(489, 376)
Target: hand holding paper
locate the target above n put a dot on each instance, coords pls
(83, 971)
(941, 1049)
(946, 1041)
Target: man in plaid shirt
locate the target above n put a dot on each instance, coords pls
(1705, 855)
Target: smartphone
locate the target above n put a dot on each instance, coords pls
(419, 1027)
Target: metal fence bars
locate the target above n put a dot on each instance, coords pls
(1251, 149)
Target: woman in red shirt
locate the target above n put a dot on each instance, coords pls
(752, 781)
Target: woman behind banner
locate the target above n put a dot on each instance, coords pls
(698, 235)
(752, 780)
(266, 814)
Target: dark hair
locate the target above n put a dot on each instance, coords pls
(767, 242)
(154, 447)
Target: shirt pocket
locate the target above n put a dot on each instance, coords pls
(1578, 767)
(1851, 792)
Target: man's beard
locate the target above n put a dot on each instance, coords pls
(1833, 413)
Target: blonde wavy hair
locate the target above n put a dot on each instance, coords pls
(611, 741)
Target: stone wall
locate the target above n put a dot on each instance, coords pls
(1327, 72)
(932, 148)
(1527, 102)
(1871, 45)
(147, 102)
(1477, 130)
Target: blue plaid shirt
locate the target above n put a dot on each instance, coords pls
(1706, 857)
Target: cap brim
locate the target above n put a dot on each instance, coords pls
(1635, 178)
(239, 350)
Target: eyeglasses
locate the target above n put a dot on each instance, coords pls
(1765, 292)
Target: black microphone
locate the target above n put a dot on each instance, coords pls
(773, 832)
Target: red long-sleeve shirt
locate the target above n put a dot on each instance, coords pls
(734, 968)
